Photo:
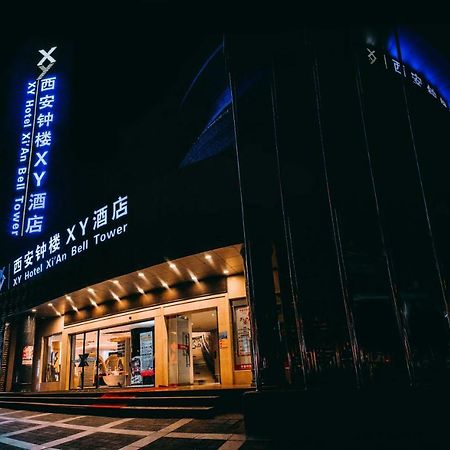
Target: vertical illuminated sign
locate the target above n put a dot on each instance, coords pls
(30, 193)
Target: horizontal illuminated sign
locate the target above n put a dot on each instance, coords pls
(103, 225)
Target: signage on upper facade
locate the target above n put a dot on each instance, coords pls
(104, 224)
(35, 146)
(391, 64)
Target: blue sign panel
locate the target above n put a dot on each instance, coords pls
(35, 146)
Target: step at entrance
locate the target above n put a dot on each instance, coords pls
(195, 403)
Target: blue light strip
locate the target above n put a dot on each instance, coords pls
(25, 148)
(423, 58)
(205, 64)
(30, 157)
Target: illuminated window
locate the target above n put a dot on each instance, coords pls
(242, 335)
(52, 358)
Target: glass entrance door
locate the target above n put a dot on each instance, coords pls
(193, 348)
(90, 366)
(114, 357)
(76, 356)
(84, 367)
(126, 355)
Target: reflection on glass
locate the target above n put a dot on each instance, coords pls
(194, 348)
(52, 358)
(242, 335)
(126, 355)
(77, 350)
(90, 364)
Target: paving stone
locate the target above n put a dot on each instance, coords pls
(8, 427)
(229, 416)
(221, 426)
(100, 441)
(44, 435)
(7, 446)
(22, 413)
(184, 444)
(145, 424)
(54, 417)
(94, 421)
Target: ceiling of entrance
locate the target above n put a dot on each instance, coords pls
(223, 261)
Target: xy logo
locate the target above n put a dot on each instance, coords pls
(83, 360)
(371, 55)
(46, 56)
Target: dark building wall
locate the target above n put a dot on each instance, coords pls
(341, 174)
(359, 210)
(356, 228)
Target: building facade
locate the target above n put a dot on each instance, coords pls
(277, 214)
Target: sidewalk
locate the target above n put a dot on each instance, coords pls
(37, 430)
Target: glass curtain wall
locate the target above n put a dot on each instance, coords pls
(366, 208)
(114, 357)
(52, 358)
(413, 195)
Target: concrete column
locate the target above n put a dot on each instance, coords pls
(259, 192)
(23, 370)
(161, 357)
(226, 346)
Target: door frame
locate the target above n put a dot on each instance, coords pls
(71, 339)
(221, 304)
(157, 313)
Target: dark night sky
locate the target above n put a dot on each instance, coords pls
(149, 51)
(128, 69)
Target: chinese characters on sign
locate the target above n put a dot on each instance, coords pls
(30, 193)
(27, 355)
(93, 230)
(243, 358)
(135, 365)
(146, 353)
(394, 65)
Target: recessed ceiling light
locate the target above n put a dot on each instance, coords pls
(75, 308)
(142, 275)
(194, 278)
(33, 310)
(172, 265)
(226, 271)
(164, 284)
(208, 256)
(68, 297)
(50, 304)
(91, 290)
(116, 281)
